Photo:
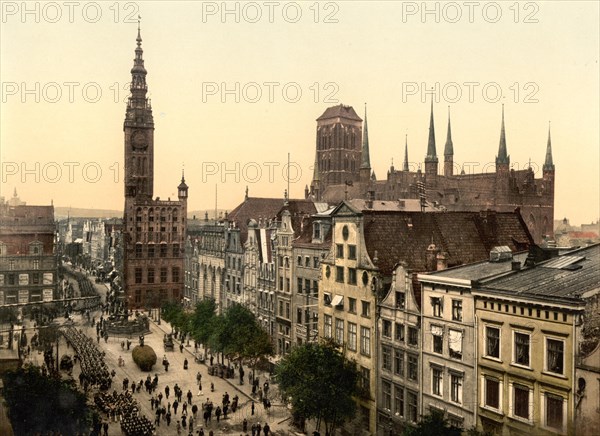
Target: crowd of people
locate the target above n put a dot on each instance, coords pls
(94, 371)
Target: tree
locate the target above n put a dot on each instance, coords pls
(320, 382)
(202, 320)
(144, 357)
(39, 404)
(434, 424)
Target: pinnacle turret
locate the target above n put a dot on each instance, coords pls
(431, 152)
(449, 147)
(405, 165)
(548, 163)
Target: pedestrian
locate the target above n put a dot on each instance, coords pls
(194, 410)
(266, 429)
(252, 408)
(160, 397)
(185, 363)
(199, 377)
(189, 396)
(245, 425)
(218, 413)
(212, 387)
(181, 347)
(205, 415)
(168, 418)
(260, 394)
(175, 405)
(167, 391)
(105, 427)
(178, 427)
(258, 429)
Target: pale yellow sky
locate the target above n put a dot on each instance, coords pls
(57, 132)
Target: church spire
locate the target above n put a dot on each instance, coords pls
(405, 166)
(548, 163)
(502, 158)
(449, 151)
(366, 160)
(431, 153)
(449, 148)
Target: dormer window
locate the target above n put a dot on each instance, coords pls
(317, 231)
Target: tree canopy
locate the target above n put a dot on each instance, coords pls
(42, 404)
(320, 382)
(434, 424)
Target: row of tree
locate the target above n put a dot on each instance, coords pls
(234, 334)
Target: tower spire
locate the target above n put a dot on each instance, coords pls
(449, 151)
(366, 160)
(138, 74)
(548, 163)
(431, 153)
(405, 165)
(449, 147)
(502, 158)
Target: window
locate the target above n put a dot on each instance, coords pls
(411, 412)
(521, 347)
(163, 275)
(352, 305)
(399, 362)
(386, 394)
(386, 361)
(413, 336)
(352, 252)
(315, 262)
(351, 276)
(299, 260)
(492, 342)
(138, 250)
(456, 382)
(307, 286)
(339, 274)
(317, 231)
(492, 393)
(555, 355)
(399, 332)
(35, 278)
(339, 251)
(287, 310)
(299, 316)
(398, 400)
(328, 326)
(175, 250)
(36, 264)
(365, 341)
(163, 250)
(352, 336)
(299, 285)
(456, 310)
(307, 262)
(436, 306)
(413, 366)
(138, 275)
(400, 300)
(281, 309)
(175, 274)
(437, 334)
(387, 328)
(315, 287)
(554, 411)
(521, 401)
(366, 308)
(150, 275)
(436, 381)
(339, 331)
(365, 378)
(455, 339)
(281, 283)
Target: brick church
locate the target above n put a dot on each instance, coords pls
(343, 171)
(154, 230)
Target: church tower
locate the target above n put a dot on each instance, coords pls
(365, 165)
(339, 134)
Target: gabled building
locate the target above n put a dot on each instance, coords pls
(357, 275)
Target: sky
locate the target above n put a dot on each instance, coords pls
(236, 86)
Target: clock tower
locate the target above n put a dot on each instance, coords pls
(153, 229)
(139, 133)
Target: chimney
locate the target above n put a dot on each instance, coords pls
(431, 254)
(515, 265)
(442, 260)
(371, 197)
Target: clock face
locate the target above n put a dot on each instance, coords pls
(139, 140)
